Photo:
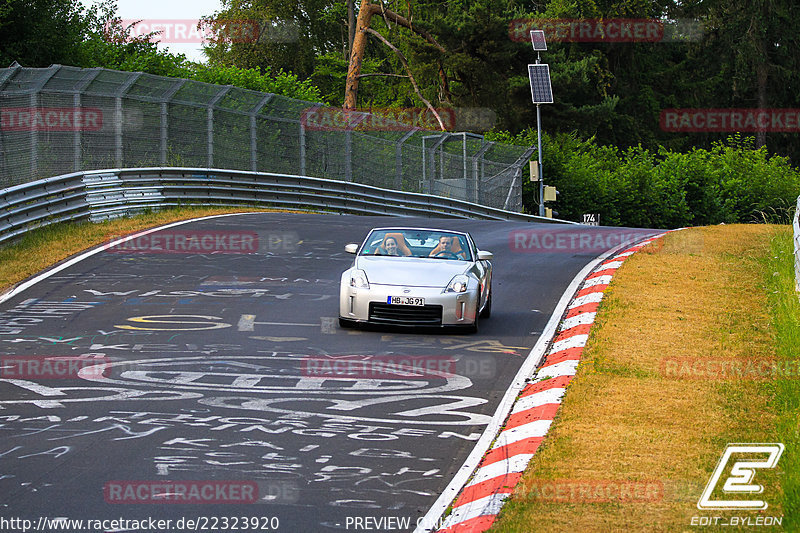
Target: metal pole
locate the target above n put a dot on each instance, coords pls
(398, 160)
(34, 136)
(302, 149)
(254, 131)
(76, 147)
(348, 154)
(541, 174)
(467, 195)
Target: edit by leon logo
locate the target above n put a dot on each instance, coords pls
(740, 479)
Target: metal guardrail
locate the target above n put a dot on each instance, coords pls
(101, 194)
(796, 228)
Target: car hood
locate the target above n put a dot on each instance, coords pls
(411, 271)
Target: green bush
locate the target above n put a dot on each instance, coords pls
(732, 182)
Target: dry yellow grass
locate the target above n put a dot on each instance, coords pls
(50, 245)
(698, 294)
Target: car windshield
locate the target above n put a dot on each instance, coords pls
(417, 243)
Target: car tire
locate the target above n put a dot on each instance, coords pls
(487, 309)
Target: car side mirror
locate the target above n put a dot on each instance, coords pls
(485, 256)
(351, 248)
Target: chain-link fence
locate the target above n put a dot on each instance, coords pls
(64, 119)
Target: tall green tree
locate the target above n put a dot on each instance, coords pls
(290, 34)
(39, 33)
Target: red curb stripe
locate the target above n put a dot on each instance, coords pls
(607, 271)
(540, 412)
(497, 485)
(585, 308)
(593, 288)
(528, 445)
(479, 524)
(556, 383)
(580, 329)
(559, 382)
(570, 354)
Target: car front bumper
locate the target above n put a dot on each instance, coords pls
(370, 305)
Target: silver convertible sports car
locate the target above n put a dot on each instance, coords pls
(416, 277)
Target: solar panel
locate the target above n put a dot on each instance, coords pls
(537, 38)
(541, 90)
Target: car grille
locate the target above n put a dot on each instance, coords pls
(425, 315)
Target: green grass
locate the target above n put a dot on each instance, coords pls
(784, 308)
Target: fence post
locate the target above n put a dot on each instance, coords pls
(302, 148)
(478, 179)
(210, 122)
(165, 98)
(254, 132)
(398, 159)
(76, 102)
(348, 154)
(118, 152)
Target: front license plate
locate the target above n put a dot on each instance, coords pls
(405, 300)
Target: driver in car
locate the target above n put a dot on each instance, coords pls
(445, 248)
(389, 247)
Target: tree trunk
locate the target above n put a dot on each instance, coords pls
(365, 13)
(762, 78)
(357, 55)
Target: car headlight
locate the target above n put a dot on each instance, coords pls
(457, 284)
(358, 278)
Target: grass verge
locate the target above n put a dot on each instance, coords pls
(631, 422)
(46, 246)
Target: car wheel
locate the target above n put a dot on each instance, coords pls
(487, 309)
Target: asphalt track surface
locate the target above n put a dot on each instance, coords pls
(216, 379)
